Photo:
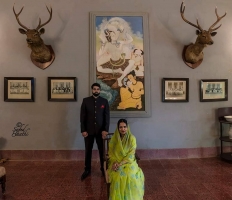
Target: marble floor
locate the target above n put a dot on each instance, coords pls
(190, 179)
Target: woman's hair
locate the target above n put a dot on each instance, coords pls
(122, 120)
(119, 23)
(107, 34)
(132, 73)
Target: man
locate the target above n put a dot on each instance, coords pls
(95, 119)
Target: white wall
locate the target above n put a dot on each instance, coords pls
(55, 125)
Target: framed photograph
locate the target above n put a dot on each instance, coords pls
(175, 90)
(213, 90)
(62, 89)
(119, 53)
(19, 89)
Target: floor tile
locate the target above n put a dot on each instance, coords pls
(176, 179)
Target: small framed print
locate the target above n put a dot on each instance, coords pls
(213, 90)
(62, 89)
(19, 89)
(175, 90)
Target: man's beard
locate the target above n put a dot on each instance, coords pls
(96, 94)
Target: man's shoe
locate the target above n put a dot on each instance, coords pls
(85, 174)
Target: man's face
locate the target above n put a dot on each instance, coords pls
(96, 91)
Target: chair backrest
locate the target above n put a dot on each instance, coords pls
(221, 112)
(106, 146)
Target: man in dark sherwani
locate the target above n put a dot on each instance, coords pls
(95, 119)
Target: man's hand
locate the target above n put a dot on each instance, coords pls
(84, 134)
(104, 134)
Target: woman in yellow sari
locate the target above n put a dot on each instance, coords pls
(125, 177)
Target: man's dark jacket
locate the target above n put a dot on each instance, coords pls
(95, 115)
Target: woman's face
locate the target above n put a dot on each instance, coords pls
(122, 128)
(114, 33)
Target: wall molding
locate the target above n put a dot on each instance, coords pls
(144, 154)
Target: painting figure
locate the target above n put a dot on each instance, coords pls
(138, 67)
(115, 52)
(131, 95)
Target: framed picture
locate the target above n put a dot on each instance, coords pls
(213, 90)
(119, 53)
(175, 90)
(19, 89)
(62, 89)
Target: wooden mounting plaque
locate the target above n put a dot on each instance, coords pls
(191, 65)
(47, 64)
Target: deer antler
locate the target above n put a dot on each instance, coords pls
(182, 8)
(218, 19)
(17, 18)
(41, 25)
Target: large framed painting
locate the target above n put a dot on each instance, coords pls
(19, 89)
(175, 90)
(119, 53)
(213, 90)
(62, 89)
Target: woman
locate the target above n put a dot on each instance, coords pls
(125, 177)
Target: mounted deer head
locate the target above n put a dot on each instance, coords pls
(41, 55)
(194, 52)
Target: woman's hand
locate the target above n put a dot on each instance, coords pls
(115, 166)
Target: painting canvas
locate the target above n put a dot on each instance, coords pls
(120, 61)
(19, 89)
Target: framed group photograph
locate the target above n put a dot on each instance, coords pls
(19, 89)
(62, 88)
(119, 61)
(175, 90)
(213, 90)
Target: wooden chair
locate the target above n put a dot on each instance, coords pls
(3, 179)
(221, 112)
(106, 160)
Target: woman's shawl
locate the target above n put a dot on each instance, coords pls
(122, 151)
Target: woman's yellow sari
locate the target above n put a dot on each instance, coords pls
(127, 183)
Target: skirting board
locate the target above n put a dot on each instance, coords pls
(79, 155)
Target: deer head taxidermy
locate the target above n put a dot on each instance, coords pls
(41, 55)
(193, 53)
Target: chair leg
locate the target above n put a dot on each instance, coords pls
(4, 184)
(108, 190)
